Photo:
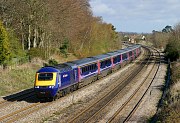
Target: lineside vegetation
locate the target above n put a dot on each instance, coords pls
(169, 41)
(47, 30)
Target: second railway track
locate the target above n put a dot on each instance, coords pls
(91, 113)
(119, 116)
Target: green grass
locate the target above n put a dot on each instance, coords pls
(16, 80)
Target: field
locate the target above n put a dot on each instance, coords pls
(20, 77)
(17, 78)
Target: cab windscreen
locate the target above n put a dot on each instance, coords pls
(45, 76)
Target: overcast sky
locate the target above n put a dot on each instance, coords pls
(138, 15)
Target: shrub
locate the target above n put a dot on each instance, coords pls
(64, 47)
(36, 52)
(5, 53)
(171, 51)
(52, 62)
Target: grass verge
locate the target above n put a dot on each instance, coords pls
(17, 79)
(170, 110)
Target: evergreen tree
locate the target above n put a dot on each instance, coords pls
(4, 46)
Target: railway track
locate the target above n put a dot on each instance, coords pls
(140, 100)
(23, 95)
(93, 110)
(24, 111)
(125, 105)
(15, 98)
(15, 115)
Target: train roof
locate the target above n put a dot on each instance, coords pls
(47, 69)
(89, 60)
(128, 49)
(84, 61)
(63, 67)
(114, 53)
(71, 64)
(57, 68)
(121, 51)
(102, 56)
(135, 46)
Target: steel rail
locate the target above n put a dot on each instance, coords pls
(121, 86)
(139, 102)
(130, 98)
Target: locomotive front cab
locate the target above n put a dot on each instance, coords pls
(46, 84)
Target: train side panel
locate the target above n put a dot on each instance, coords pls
(67, 77)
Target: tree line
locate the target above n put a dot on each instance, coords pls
(168, 40)
(40, 28)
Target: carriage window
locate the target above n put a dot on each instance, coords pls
(89, 68)
(124, 56)
(108, 62)
(116, 59)
(102, 64)
(130, 53)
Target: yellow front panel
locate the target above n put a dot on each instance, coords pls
(45, 82)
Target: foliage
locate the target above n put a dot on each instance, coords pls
(4, 46)
(43, 24)
(169, 111)
(15, 45)
(125, 38)
(138, 39)
(173, 47)
(103, 38)
(64, 47)
(168, 39)
(19, 56)
(171, 107)
(170, 114)
(52, 62)
(171, 51)
(17, 79)
(167, 29)
(175, 72)
(160, 39)
(36, 52)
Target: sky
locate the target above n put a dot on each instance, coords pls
(141, 16)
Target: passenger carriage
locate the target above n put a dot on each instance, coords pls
(87, 70)
(56, 81)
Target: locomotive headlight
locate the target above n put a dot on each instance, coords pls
(36, 86)
(51, 86)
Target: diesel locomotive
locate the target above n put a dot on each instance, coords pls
(53, 82)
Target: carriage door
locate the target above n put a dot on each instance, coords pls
(59, 79)
(75, 75)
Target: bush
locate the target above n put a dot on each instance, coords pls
(36, 52)
(53, 62)
(171, 51)
(15, 46)
(5, 53)
(64, 47)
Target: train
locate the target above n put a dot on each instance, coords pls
(52, 82)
